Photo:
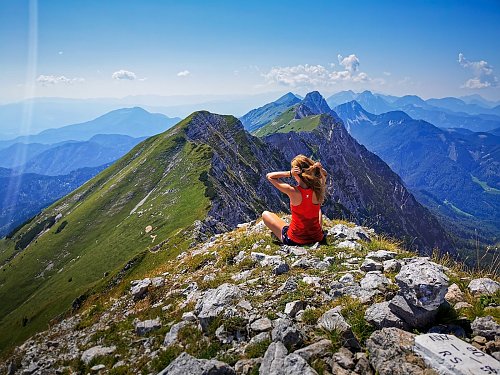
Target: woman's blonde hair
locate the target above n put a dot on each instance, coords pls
(313, 175)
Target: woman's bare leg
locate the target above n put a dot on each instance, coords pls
(274, 222)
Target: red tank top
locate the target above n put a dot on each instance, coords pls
(305, 227)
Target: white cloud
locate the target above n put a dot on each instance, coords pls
(387, 74)
(183, 73)
(53, 80)
(482, 73)
(317, 75)
(61, 52)
(124, 74)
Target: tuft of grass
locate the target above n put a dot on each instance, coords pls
(311, 316)
(257, 349)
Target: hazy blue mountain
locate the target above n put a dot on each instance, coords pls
(341, 98)
(479, 100)
(258, 117)
(134, 122)
(455, 171)
(373, 103)
(18, 153)
(495, 131)
(64, 158)
(24, 195)
(403, 101)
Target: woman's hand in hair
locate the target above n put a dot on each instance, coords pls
(296, 171)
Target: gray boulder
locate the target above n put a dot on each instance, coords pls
(422, 283)
(287, 333)
(272, 363)
(371, 265)
(294, 364)
(414, 316)
(171, 336)
(332, 320)
(391, 353)
(381, 316)
(392, 265)
(260, 325)
(139, 288)
(342, 231)
(483, 286)
(146, 326)
(374, 280)
(486, 327)
(215, 301)
(315, 350)
(185, 364)
(292, 308)
(96, 351)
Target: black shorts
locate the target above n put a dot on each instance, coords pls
(288, 241)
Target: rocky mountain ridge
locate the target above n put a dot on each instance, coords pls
(242, 303)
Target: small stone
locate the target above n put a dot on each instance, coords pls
(185, 364)
(479, 339)
(292, 308)
(96, 351)
(381, 255)
(381, 316)
(486, 327)
(462, 305)
(273, 360)
(286, 332)
(344, 358)
(142, 328)
(312, 280)
(348, 245)
(171, 336)
(97, 368)
(392, 265)
(374, 280)
(348, 278)
(281, 268)
(332, 320)
(262, 324)
(454, 294)
(371, 265)
(315, 350)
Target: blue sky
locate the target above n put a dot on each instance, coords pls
(116, 48)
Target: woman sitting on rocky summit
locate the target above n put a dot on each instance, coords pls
(305, 203)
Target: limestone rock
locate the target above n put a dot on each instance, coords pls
(422, 283)
(287, 333)
(454, 294)
(486, 327)
(315, 350)
(371, 265)
(342, 231)
(381, 316)
(414, 316)
(171, 336)
(374, 280)
(294, 364)
(483, 286)
(391, 353)
(139, 288)
(262, 324)
(273, 361)
(245, 366)
(215, 301)
(186, 364)
(146, 326)
(381, 255)
(332, 320)
(96, 351)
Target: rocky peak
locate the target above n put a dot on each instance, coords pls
(287, 98)
(316, 103)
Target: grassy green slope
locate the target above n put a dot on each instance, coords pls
(102, 233)
(286, 123)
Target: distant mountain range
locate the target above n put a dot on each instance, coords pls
(455, 171)
(444, 113)
(134, 122)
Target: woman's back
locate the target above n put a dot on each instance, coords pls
(305, 226)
